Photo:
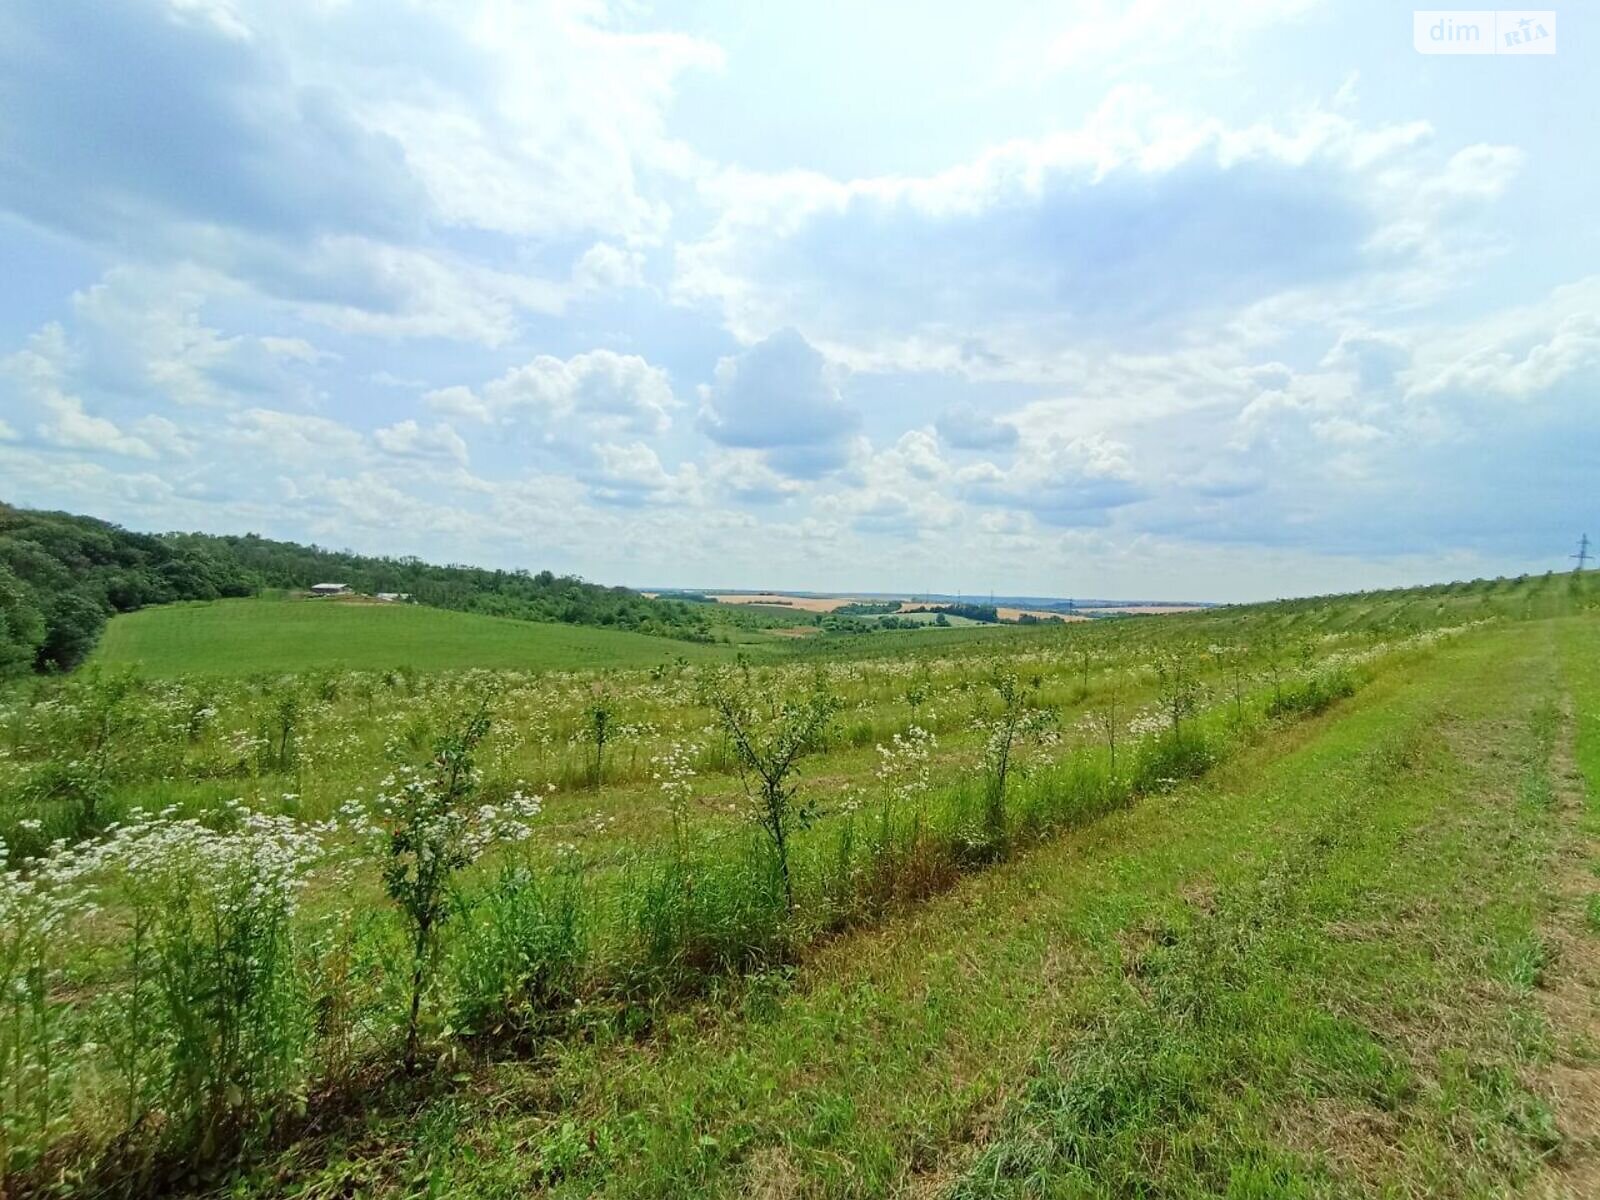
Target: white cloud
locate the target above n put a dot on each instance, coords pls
(1124, 232)
(301, 441)
(613, 393)
(38, 374)
(1060, 480)
(632, 474)
(557, 149)
(1517, 354)
(407, 439)
(915, 456)
(604, 267)
(745, 476)
(779, 396)
(167, 437)
(69, 427)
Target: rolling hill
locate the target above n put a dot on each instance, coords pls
(241, 637)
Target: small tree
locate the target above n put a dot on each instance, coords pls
(1020, 718)
(431, 833)
(1235, 663)
(1083, 660)
(769, 736)
(1104, 721)
(602, 719)
(1178, 689)
(919, 690)
(285, 727)
(1275, 663)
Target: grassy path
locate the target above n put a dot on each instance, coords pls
(1572, 988)
(1317, 972)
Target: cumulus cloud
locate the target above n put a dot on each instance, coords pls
(613, 393)
(778, 396)
(37, 378)
(348, 160)
(914, 456)
(745, 476)
(1521, 354)
(891, 512)
(604, 266)
(297, 440)
(1120, 233)
(408, 439)
(344, 240)
(1062, 481)
(631, 474)
(1376, 358)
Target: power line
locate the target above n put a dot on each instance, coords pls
(1583, 554)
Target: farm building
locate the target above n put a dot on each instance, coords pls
(329, 589)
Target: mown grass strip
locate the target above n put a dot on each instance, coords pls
(1264, 1042)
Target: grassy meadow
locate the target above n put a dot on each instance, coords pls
(1296, 899)
(284, 634)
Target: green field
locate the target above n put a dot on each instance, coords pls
(243, 637)
(1329, 927)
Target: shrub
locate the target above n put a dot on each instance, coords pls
(1019, 719)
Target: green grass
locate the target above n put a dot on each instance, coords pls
(1315, 973)
(1320, 970)
(243, 637)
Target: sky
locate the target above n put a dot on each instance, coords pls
(1216, 299)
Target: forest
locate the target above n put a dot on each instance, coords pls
(62, 576)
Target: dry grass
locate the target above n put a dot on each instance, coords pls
(815, 604)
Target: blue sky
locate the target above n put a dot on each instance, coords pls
(1221, 299)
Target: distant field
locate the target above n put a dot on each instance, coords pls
(1142, 610)
(777, 601)
(815, 604)
(241, 637)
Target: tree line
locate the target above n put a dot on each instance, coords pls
(62, 576)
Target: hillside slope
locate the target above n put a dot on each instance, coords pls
(241, 637)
